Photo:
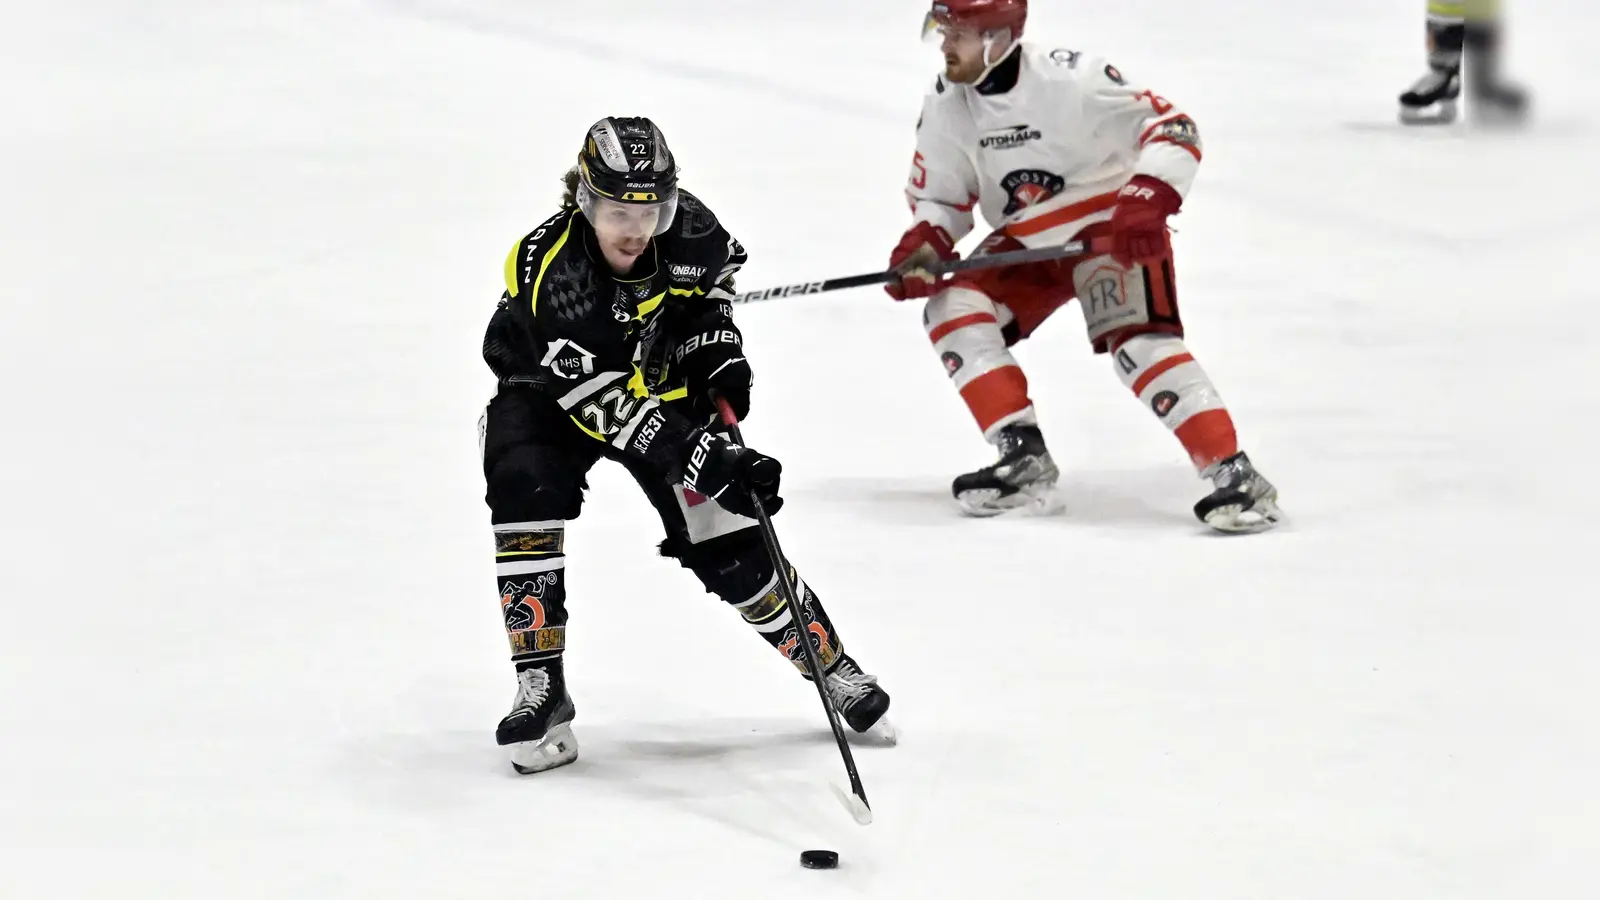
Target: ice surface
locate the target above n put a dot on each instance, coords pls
(251, 645)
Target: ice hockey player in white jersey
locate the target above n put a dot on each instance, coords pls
(1053, 145)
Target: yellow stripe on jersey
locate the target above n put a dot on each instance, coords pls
(545, 264)
(636, 384)
(511, 270)
(686, 292)
(587, 430)
(649, 306)
(674, 394)
(1447, 9)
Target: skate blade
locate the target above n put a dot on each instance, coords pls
(881, 734)
(985, 503)
(1441, 113)
(558, 748)
(1240, 518)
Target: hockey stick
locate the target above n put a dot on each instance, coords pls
(1010, 258)
(856, 802)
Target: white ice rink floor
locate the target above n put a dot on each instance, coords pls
(251, 646)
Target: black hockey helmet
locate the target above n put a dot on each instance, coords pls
(626, 160)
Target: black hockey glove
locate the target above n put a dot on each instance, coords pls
(727, 473)
(713, 362)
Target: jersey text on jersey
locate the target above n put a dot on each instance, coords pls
(1028, 187)
(568, 360)
(1007, 138)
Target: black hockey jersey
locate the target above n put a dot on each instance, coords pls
(600, 345)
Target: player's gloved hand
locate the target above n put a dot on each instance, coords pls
(1139, 220)
(921, 247)
(727, 473)
(713, 363)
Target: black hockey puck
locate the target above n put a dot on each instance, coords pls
(819, 859)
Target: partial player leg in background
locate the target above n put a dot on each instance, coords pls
(725, 552)
(1133, 315)
(1472, 29)
(972, 324)
(1495, 101)
(1432, 99)
(535, 481)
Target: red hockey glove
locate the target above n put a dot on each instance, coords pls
(1139, 221)
(922, 246)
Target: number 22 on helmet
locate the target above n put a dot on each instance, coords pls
(627, 179)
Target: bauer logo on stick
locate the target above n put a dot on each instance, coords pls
(814, 287)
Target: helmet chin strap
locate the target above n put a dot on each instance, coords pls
(990, 40)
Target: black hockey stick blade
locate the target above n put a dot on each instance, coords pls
(855, 802)
(1010, 258)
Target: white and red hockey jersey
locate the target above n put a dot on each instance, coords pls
(1043, 157)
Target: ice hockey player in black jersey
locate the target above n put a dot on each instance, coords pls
(614, 332)
(1469, 31)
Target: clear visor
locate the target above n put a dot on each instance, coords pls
(627, 220)
(935, 28)
(967, 42)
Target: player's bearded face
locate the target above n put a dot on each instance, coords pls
(963, 53)
(625, 229)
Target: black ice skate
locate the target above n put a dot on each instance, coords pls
(1243, 502)
(1433, 99)
(1023, 476)
(539, 727)
(860, 701)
